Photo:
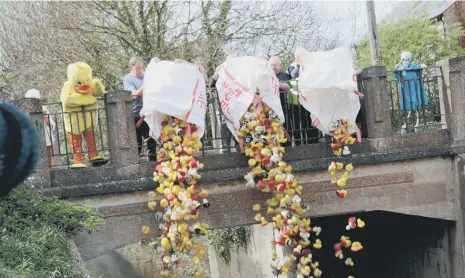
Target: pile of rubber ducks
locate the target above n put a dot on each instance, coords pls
(339, 146)
(176, 172)
(262, 134)
(346, 243)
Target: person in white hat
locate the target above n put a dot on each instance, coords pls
(49, 125)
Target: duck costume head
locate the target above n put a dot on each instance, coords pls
(79, 99)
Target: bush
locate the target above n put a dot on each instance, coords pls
(34, 233)
(223, 240)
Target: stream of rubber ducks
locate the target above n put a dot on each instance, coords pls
(262, 135)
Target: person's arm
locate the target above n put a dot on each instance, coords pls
(202, 70)
(417, 66)
(130, 86)
(295, 71)
(284, 86)
(206, 78)
(97, 87)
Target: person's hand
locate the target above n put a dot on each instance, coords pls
(46, 120)
(283, 86)
(201, 69)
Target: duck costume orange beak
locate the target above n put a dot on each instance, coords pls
(83, 89)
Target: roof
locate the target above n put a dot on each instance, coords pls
(434, 8)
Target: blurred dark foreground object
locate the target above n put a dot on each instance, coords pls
(19, 147)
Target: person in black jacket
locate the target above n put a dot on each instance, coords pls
(19, 147)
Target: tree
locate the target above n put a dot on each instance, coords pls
(416, 34)
(39, 39)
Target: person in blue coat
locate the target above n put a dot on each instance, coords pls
(411, 95)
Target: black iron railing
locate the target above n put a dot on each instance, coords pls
(62, 146)
(298, 123)
(217, 137)
(414, 100)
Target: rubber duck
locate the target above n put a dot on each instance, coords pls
(145, 230)
(273, 202)
(270, 211)
(341, 193)
(345, 242)
(349, 167)
(317, 273)
(297, 250)
(341, 182)
(163, 203)
(351, 223)
(152, 205)
(349, 262)
(206, 203)
(360, 223)
(165, 243)
(356, 246)
(332, 168)
(306, 271)
(317, 244)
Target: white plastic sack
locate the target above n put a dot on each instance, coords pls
(239, 80)
(176, 89)
(327, 87)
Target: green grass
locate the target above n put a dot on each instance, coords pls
(34, 231)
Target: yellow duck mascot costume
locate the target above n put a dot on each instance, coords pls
(79, 99)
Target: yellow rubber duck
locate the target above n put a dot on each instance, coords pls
(317, 244)
(356, 246)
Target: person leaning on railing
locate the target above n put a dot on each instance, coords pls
(19, 147)
(133, 82)
(79, 101)
(298, 112)
(49, 125)
(284, 88)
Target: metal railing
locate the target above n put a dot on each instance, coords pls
(414, 100)
(217, 137)
(298, 123)
(60, 147)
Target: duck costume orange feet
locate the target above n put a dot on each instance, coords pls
(79, 100)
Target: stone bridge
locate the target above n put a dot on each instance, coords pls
(416, 174)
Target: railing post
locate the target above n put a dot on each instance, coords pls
(452, 97)
(376, 102)
(33, 107)
(121, 128)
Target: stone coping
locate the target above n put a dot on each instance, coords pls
(114, 179)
